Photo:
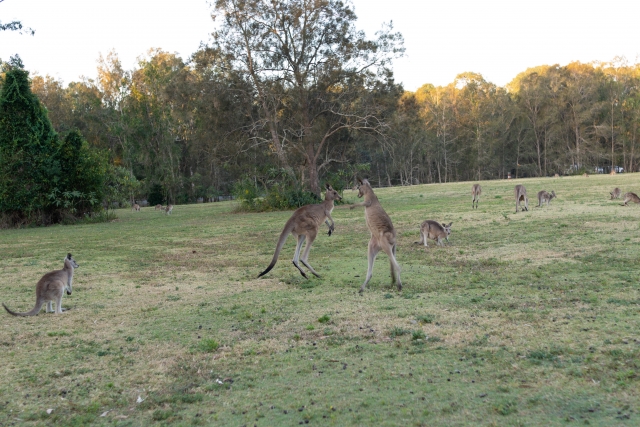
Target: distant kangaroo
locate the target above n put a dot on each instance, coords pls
(476, 191)
(50, 288)
(158, 207)
(383, 235)
(521, 196)
(135, 207)
(168, 209)
(630, 197)
(615, 194)
(434, 231)
(304, 224)
(544, 197)
(556, 176)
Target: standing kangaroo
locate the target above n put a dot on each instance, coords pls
(383, 235)
(434, 231)
(135, 207)
(521, 196)
(304, 225)
(630, 197)
(544, 197)
(50, 288)
(476, 191)
(168, 209)
(615, 194)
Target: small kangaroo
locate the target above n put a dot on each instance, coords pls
(168, 209)
(556, 176)
(434, 231)
(135, 207)
(521, 196)
(158, 207)
(544, 197)
(50, 288)
(304, 225)
(615, 194)
(630, 197)
(586, 175)
(476, 191)
(383, 235)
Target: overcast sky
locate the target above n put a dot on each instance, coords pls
(496, 38)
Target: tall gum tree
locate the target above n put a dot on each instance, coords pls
(310, 71)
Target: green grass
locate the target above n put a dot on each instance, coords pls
(522, 319)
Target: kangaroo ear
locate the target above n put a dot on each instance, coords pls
(327, 186)
(450, 224)
(69, 255)
(359, 181)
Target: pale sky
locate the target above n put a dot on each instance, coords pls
(443, 38)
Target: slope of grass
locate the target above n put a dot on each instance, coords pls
(523, 319)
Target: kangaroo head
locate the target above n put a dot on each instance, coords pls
(362, 184)
(553, 195)
(447, 228)
(331, 194)
(70, 262)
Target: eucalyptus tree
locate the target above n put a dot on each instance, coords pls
(309, 69)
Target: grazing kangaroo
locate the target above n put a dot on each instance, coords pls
(544, 197)
(304, 225)
(158, 207)
(50, 288)
(434, 231)
(615, 194)
(383, 235)
(630, 197)
(556, 176)
(168, 209)
(476, 191)
(586, 175)
(135, 207)
(521, 196)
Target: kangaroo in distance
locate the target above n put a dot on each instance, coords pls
(50, 288)
(544, 197)
(630, 197)
(521, 196)
(304, 225)
(135, 207)
(476, 191)
(168, 209)
(383, 235)
(434, 231)
(615, 194)
(158, 207)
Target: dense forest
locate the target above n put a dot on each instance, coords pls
(292, 92)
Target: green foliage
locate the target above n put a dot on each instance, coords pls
(208, 345)
(156, 195)
(283, 193)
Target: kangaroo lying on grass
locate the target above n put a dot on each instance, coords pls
(544, 197)
(434, 231)
(304, 224)
(383, 235)
(630, 197)
(50, 288)
(615, 194)
(476, 191)
(521, 196)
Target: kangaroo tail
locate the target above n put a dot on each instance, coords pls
(283, 237)
(33, 312)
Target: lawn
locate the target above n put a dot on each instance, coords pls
(522, 319)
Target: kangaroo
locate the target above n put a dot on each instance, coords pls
(383, 235)
(135, 207)
(434, 231)
(476, 191)
(586, 175)
(556, 176)
(158, 207)
(168, 209)
(630, 197)
(304, 225)
(521, 195)
(615, 194)
(50, 288)
(544, 197)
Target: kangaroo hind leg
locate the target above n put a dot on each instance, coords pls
(296, 255)
(305, 254)
(395, 267)
(372, 252)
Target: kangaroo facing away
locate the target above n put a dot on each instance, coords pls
(544, 197)
(521, 196)
(476, 191)
(168, 209)
(383, 235)
(615, 194)
(50, 288)
(630, 197)
(434, 231)
(304, 225)
(135, 207)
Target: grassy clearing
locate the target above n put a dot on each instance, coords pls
(523, 319)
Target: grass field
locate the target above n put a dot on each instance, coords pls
(523, 319)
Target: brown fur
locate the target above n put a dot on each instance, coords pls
(50, 288)
(158, 207)
(168, 209)
(434, 231)
(544, 197)
(521, 196)
(615, 194)
(586, 175)
(135, 207)
(630, 197)
(476, 191)
(556, 176)
(304, 225)
(383, 235)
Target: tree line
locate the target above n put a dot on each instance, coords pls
(291, 94)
